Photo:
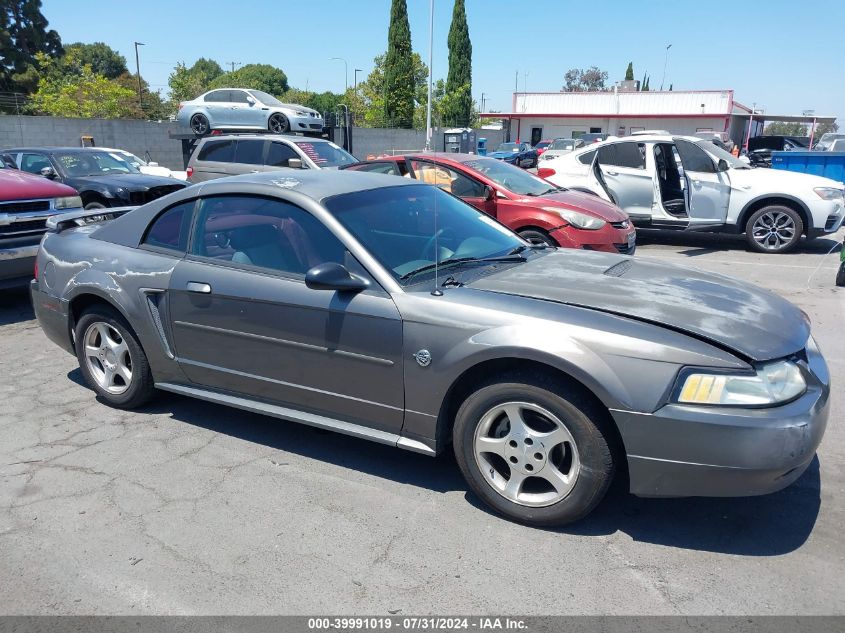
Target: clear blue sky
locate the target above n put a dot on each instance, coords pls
(778, 53)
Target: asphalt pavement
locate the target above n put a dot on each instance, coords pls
(185, 507)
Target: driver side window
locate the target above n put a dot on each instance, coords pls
(693, 158)
(448, 179)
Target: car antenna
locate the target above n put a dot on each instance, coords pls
(436, 291)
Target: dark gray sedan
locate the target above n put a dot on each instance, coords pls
(314, 297)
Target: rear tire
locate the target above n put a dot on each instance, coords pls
(840, 276)
(537, 236)
(94, 205)
(534, 450)
(774, 229)
(200, 124)
(111, 358)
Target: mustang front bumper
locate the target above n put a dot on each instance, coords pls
(696, 451)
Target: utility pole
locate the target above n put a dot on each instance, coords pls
(357, 70)
(665, 64)
(483, 101)
(138, 72)
(233, 64)
(430, 58)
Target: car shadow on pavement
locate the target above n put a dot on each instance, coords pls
(15, 306)
(701, 243)
(770, 525)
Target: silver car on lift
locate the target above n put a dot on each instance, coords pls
(242, 109)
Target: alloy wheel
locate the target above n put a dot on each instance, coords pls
(107, 358)
(526, 454)
(773, 230)
(278, 124)
(199, 125)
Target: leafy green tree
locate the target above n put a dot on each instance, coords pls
(457, 109)
(255, 76)
(372, 93)
(398, 96)
(103, 59)
(75, 90)
(824, 128)
(590, 80)
(207, 67)
(783, 128)
(629, 73)
(23, 34)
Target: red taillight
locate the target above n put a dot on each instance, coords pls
(189, 171)
(35, 272)
(545, 172)
(216, 132)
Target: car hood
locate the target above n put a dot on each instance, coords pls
(130, 182)
(19, 185)
(586, 203)
(782, 180)
(501, 155)
(747, 320)
(295, 107)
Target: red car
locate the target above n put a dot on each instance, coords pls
(535, 208)
(26, 201)
(542, 146)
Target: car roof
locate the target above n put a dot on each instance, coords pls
(56, 149)
(273, 137)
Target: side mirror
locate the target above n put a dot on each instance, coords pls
(295, 163)
(722, 165)
(489, 194)
(152, 164)
(250, 101)
(48, 172)
(333, 276)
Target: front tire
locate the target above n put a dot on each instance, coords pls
(111, 358)
(840, 275)
(278, 124)
(774, 229)
(536, 236)
(94, 205)
(534, 450)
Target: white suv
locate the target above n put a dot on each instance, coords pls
(682, 182)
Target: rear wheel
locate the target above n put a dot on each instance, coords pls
(199, 124)
(278, 124)
(840, 276)
(774, 229)
(534, 450)
(111, 358)
(537, 236)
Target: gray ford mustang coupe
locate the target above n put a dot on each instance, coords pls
(314, 297)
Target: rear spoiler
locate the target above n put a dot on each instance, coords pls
(58, 223)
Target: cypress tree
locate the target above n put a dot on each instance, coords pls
(459, 78)
(399, 69)
(629, 74)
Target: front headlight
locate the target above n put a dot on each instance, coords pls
(771, 384)
(828, 193)
(70, 202)
(300, 113)
(578, 220)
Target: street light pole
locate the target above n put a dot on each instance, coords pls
(345, 72)
(138, 72)
(430, 58)
(357, 70)
(665, 65)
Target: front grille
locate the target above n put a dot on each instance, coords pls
(623, 248)
(143, 197)
(24, 206)
(624, 224)
(831, 222)
(22, 228)
(315, 126)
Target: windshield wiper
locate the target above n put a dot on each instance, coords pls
(546, 192)
(448, 263)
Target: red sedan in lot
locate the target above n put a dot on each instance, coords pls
(535, 208)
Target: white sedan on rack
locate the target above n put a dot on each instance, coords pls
(682, 182)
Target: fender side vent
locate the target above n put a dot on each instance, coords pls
(617, 270)
(153, 299)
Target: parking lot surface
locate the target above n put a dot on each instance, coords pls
(185, 507)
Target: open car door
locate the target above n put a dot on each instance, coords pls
(708, 189)
(621, 168)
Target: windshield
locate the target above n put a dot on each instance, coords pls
(130, 158)
(402, 227)
(77, 164)
(326, 154)
(563, 143)
(511, 177)
(265, 98)
(508, 147)
(719, 153)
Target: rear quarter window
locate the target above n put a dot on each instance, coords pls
(171, 228)
(218, 151)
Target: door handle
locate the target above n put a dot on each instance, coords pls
(197, 286)
(612, 173)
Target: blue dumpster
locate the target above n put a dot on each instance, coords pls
(482, 147)
(827, 164)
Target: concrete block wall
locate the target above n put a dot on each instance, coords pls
(376, 141)
(139, 137)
